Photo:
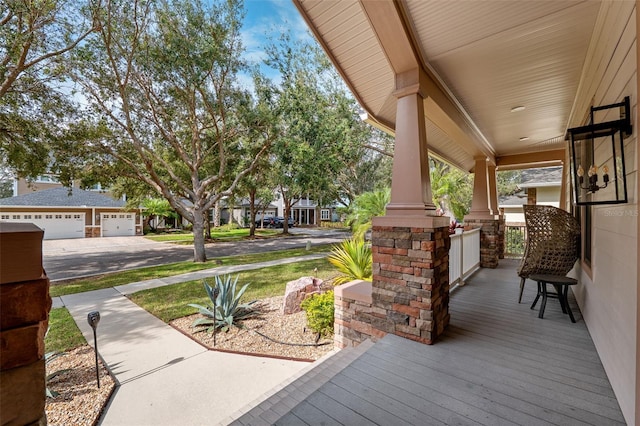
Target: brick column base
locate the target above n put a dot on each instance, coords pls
(489, 240)
(410, 294)
(25, 305)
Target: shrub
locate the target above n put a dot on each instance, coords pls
(353, 259)
(228, 309)
(319, 310)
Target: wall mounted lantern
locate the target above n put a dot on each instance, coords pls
(597, 154)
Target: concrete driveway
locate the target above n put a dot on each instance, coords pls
(75, 258)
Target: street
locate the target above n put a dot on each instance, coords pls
(75, 258)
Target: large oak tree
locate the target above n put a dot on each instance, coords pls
(162, 78)
(36, 116)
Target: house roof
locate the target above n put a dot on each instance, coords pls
(541, 177)
(514, 200)
(62, 197)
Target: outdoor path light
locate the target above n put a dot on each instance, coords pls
(93, 318)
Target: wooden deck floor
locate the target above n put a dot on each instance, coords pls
(497, 364)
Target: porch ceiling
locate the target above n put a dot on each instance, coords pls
(486, 58)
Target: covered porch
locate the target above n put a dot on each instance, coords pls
(497, 363)
(489, 86)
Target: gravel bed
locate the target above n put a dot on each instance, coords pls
(79, 402)
(281, 328)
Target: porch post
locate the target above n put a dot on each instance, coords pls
(410, 181)
(493, 202)
(482, 216)
(480, 203)
(493, 189)
(410, 245)
(563, 187)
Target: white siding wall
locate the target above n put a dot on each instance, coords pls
(608, 293)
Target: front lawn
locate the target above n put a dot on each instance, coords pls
(63, 334)
(219, 234)
(153, 272)
(170, 302)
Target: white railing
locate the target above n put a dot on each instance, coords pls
(464, 256)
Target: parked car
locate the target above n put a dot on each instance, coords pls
(278, 222)
(267, 221)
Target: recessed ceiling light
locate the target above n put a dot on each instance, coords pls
(524, 138)
(517, 108)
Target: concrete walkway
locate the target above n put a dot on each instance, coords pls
(165, 377)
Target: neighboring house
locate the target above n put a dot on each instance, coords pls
(72, 213)
(539, 186)
(304, 211)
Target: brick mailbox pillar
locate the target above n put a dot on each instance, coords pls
(24, 315)
(410, 294)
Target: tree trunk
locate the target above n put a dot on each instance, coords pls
(199, 255)
(252, 213)
(287, 212)
(207, 225)
(216, 214)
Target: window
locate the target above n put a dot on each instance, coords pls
(67, 216)
(16, 216)
(48, 216)
(27, 216)
(47, 179)
(4, 216)
(37, 216)
(58, 216)
(325, 214)
(77, 216)
(121, 216)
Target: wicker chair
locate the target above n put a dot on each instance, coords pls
(553, 243)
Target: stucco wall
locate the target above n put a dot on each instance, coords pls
(608, 291)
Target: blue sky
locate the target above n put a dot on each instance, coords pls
(269, 18)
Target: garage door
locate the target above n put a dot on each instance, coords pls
(118, 224)
(56, 226)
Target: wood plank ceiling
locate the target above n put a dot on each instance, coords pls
(490, 56)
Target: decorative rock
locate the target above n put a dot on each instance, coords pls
(298, 290)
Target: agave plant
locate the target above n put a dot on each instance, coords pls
(353, 259)
(48, 357)
(228, 310)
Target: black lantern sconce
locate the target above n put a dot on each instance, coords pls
(597, 154)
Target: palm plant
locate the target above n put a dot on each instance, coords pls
(353, 259)
(225, 309)
(364, 208)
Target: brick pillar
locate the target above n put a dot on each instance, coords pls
(410, 294)
(489, 240)
(24, 308)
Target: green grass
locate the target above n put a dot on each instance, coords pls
(63, 334)
(170, 302)
(152, 272)
(217, 234)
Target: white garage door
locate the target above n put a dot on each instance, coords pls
(118, 224)
(56, 226)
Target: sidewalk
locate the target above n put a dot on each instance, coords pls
(165, 377)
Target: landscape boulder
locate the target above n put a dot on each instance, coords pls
(297, 291)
